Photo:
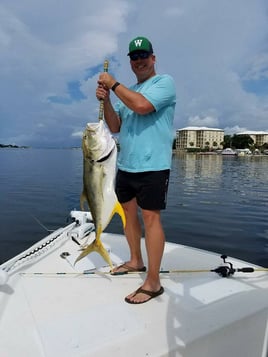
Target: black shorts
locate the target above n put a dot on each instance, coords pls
(150, 188)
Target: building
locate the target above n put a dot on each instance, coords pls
(199, 137)
(259, 137)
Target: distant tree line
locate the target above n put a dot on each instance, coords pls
(241, 142)
(13, 146)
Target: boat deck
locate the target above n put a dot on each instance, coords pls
(56, 309)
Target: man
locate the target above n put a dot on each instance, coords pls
(143, 117)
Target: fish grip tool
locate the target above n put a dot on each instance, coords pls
(101, 108)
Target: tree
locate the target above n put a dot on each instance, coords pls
(207, 145)
(265, 146)
(227, 141)
(242, 141)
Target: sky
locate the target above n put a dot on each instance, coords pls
(51, 54)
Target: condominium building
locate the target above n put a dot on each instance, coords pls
(199, 137)
(259, 137)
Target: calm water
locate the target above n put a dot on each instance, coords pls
(215, 203)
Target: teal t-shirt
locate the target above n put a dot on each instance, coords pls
(146, 140)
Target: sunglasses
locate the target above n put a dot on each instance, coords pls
(142, 55)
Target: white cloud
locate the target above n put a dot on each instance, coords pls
(257, 68)
(210, 48)
(234, 130)
(77, 134)
(207, 121)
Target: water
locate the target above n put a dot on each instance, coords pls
(215, 203)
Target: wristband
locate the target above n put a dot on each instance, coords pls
(115, 86)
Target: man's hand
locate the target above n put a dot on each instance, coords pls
(102, 93)
(106, 80)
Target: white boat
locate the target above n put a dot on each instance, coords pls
(51, 307)
(228, 151)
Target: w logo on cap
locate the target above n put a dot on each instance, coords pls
(138, 42)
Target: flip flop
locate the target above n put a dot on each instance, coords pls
(151, 294)
(127, 269)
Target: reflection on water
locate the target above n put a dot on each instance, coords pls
(193, 165)
(219, 203)
(214, 202)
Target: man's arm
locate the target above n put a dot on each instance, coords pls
(133, 100)
(111, 118)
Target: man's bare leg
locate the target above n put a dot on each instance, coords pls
(155, 243)
(133, 232)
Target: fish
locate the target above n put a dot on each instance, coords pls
(99, 170)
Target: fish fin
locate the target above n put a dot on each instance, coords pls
(119, 210)
(96, 246)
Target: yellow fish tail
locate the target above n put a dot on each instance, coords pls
(119, 210)
(96, 246)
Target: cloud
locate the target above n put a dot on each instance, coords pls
(257, 68)
(52, 52)
(77, 134)
(233, 130)
(207, 121)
